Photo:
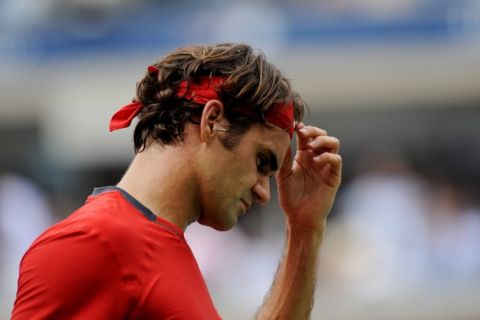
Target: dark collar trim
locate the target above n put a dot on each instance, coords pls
(138, 205)
(144, 210)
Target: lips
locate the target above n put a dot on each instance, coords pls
(247, 204)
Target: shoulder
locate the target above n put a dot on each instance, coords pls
(104, 223)
(90, 257)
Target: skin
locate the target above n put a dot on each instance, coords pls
(307, 188)
(232, 180)
(202, 181)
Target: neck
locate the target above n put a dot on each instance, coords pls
(163, 180)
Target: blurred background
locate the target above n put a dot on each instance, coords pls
(398, 81)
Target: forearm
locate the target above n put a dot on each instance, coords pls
(291, 295)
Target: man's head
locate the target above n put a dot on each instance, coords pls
(249, 83)
(241, 111)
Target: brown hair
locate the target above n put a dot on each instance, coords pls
(250, 82)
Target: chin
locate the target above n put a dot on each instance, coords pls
(225, 224)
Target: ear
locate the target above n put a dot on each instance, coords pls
(212, 116)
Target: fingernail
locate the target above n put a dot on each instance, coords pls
(303, 130)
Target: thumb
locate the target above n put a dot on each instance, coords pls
(286, 168)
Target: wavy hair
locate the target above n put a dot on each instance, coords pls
(250, 82)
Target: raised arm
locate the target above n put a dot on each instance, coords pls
(307, 188)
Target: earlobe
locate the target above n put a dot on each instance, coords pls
(212, 115)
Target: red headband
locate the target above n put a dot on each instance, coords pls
(207, 89)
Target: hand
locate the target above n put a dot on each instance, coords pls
(307, 187)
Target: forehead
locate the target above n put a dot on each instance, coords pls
(270, 138)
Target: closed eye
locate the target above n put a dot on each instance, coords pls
(267, 163)
(262, 164)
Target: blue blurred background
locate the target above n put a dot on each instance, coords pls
(398, 81)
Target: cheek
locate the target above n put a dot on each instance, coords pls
(233, 176)
(246, 175)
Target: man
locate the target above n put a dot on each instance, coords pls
(215, 122)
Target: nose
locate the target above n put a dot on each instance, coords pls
(261, 190)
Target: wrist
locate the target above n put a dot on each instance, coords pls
(300, 231)
(306, 228)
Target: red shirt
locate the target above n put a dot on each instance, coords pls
(112, 259)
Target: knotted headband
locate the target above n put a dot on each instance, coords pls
(206, 89)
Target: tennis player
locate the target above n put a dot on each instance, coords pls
(214, 124)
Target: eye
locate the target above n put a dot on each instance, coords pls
(263, 164)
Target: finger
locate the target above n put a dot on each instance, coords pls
(299, 126)
(322, 144)
(311, 131)
(328, 157)
(332, 159)
(306, 133)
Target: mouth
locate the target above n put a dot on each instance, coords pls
(246, 204)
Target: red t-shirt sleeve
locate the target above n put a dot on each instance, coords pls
(74, 274)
